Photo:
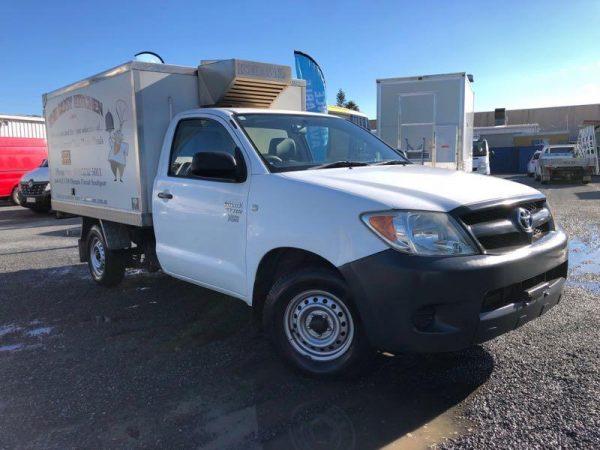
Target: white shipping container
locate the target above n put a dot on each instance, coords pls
(429, 117)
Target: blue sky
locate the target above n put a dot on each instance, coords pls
(522, 54)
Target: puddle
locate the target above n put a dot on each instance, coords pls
(11, 348)
(8, 329)
(14, 338)
(584, 258)
(42, 331)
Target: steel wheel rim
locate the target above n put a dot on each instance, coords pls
(97, 257)
(318, 325)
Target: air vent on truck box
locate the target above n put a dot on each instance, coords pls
(234, 82)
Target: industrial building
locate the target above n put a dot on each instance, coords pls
(558, 123)
(514, 135)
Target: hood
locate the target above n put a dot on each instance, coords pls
(37, 175)
(414, 186)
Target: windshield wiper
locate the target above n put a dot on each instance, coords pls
(392, 162)
(333, 165)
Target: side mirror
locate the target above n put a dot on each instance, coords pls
(218, 165)
(492, 153)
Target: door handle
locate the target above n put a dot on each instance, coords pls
(165, 195)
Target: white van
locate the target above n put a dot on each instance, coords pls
(481, 156)
(340, 245)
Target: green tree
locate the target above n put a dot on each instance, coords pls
(341, 98)
(351, 105)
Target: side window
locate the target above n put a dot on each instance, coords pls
(194, 136)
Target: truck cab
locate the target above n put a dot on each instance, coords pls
(481, 156)
(340, 245)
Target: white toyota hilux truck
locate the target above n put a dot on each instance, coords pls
(340, 245)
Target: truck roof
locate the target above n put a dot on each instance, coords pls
(231, 111)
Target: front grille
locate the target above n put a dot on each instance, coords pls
(515, 293)
(498, 229)
(36, 189)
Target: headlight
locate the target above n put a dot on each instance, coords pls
(47, 188)
(420, 232)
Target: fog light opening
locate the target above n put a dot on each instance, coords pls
(424, 318)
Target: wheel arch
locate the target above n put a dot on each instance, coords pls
(278, 261)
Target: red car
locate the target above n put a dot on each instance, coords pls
(18, 156)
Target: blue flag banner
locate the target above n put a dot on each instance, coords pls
(307, 69)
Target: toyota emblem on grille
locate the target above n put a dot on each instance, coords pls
(30, 184)
(525, 220)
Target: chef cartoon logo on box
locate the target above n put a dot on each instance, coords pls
(118, 148)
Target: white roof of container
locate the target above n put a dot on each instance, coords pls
(18, 126)
(440, 76)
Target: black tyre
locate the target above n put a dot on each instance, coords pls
(529, 174)
(107, 267)
(310, 318)
(14, 196)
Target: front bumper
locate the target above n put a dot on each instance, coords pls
(39, 201)
(433, 304)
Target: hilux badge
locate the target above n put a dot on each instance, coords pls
(525, 220)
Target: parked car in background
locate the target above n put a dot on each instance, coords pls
(562, 162)
(18, 155)
(533, 163)
(481, 156)
(34, 189)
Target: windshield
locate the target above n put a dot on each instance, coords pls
(560, 150)
(300, 142)
(480, 148)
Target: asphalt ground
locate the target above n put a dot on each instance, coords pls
(157, 362)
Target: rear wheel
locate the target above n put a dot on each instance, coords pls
(311, 320)
(14, 196)
(107, 267)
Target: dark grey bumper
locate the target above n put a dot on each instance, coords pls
(41, 201)
(431, 304)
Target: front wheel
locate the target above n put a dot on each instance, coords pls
(311, 320)
(14, 196)
(107, 267)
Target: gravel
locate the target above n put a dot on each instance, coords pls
(162, 363)
(544, 390)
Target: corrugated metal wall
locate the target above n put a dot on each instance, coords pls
(22, 128)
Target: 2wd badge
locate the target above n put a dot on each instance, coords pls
(234, 210)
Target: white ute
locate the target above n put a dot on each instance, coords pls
(340, 245)
(563, 162)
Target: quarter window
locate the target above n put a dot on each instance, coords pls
(193, 136)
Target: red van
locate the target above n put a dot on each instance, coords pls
(18, 155)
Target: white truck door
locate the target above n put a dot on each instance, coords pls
(200, 223)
